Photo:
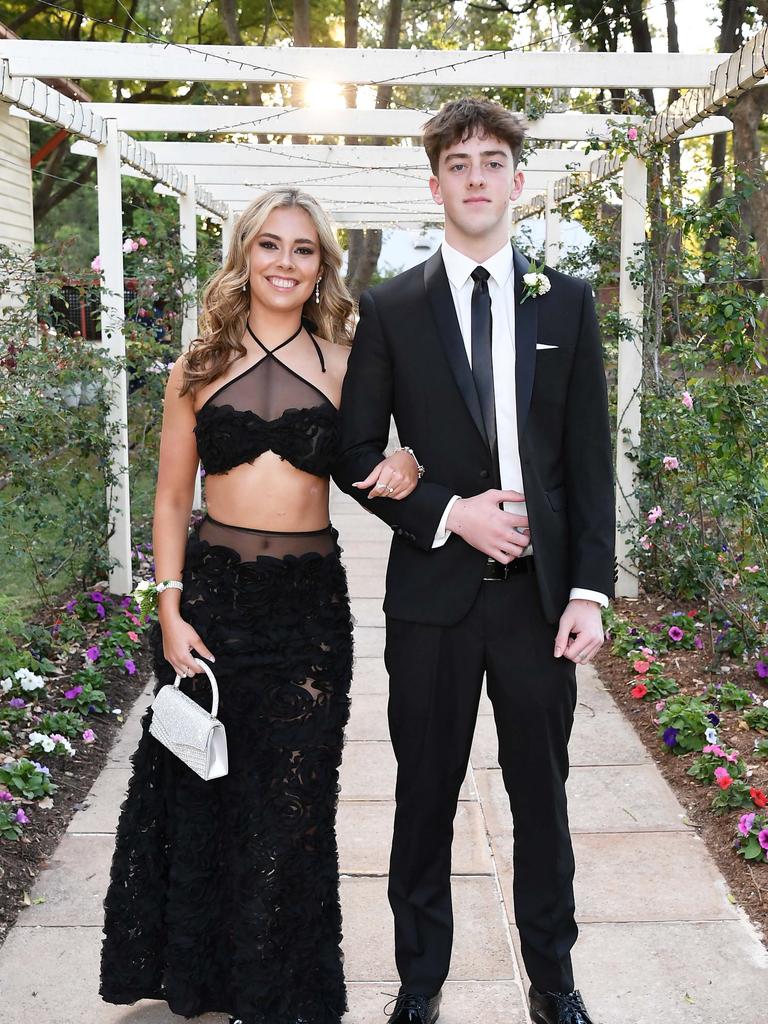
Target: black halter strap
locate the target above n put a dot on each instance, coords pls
(317, 349)
(287, 341)
(282, 344)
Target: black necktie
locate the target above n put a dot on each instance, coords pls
(482, 356)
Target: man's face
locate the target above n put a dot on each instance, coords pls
(475, 182)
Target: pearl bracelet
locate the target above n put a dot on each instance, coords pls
(169, 585)
(411, 452)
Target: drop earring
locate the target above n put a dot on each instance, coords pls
(244, 288)
(317, 290)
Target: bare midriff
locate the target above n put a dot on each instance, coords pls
(268, 494)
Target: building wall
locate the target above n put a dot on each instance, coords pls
(16, 218)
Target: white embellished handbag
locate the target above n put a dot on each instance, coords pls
(193, 734)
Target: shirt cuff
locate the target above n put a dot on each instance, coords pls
(443, 533)
(577, 594)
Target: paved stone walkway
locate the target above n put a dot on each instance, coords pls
(660, 940)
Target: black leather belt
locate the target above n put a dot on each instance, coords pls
(518, 566)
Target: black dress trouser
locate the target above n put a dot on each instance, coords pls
(436, 675)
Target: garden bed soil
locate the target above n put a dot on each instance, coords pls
(22, 861)
(694, 671)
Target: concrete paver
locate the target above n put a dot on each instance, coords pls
(659, 938)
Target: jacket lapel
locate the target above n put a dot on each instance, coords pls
(526, 325)
(441, 302)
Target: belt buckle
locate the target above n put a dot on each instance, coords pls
(496, 570)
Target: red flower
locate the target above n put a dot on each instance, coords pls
(758, 797)
(639, 691)
(692, 614)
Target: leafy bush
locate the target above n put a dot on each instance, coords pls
(26, 778)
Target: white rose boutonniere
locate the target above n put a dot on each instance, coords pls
(145, 595)
(536, 283)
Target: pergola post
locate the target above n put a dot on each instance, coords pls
(110, 214)
(227, 230)
(188, 241)
(634, 198)
(552, 228)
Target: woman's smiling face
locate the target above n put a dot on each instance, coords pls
(284, 260)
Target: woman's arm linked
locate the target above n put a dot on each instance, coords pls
(173, 505)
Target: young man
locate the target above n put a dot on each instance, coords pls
(501, 557)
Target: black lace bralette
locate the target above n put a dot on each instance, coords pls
(269, 407)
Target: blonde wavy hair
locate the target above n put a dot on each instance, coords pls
(225, 304)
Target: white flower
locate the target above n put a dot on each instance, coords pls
(711, 736)
(6, 685)
(141, 587)
(28, 680)
(538, 284)
(40, 739)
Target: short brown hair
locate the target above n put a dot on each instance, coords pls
(460, 119)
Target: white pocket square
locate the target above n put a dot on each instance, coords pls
(538, 347)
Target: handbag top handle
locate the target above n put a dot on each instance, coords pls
(214, 686)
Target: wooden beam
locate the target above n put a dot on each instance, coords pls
(179, 62)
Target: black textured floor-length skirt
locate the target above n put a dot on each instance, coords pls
(224, 894)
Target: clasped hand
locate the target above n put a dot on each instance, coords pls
(483, 524)
(394, 477)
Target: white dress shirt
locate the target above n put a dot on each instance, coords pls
(501, 287)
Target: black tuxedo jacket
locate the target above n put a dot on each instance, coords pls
(408, 360)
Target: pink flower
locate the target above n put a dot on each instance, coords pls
(641, 667)
(660, 705)
(89, 736)
(671, 462)
(724, 780)
(5, 796)
(750, 568)
(675, 633)
(96, 264)
(645, 543)
(143, 241)
(632, 134)
(687, 400)
(133, 635)
(762, 838)
(136, 621)
(713, 748)
(128, 245)
(746, 821)
(655, 514)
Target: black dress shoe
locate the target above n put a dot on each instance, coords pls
(558, 1007)
(416, 1009)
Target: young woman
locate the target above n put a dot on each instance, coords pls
(224, 894)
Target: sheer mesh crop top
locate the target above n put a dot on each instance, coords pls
(269, 407)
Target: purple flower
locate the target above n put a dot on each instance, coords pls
(5, 796)
(17, 702)
(89, 736)
(670, 736)
(120, 652)
(126, 601)
(74, 692)
(675, 633)
(698, 643)
(42, 768)
(93, 653)
(70, 606)
(21, 817)
(762, 838)
(746, 821)
(100, 611)
(97, 596)
(713, 718)
(761, 669)
(130, 666)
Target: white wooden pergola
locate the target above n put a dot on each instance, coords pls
(361, 186)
